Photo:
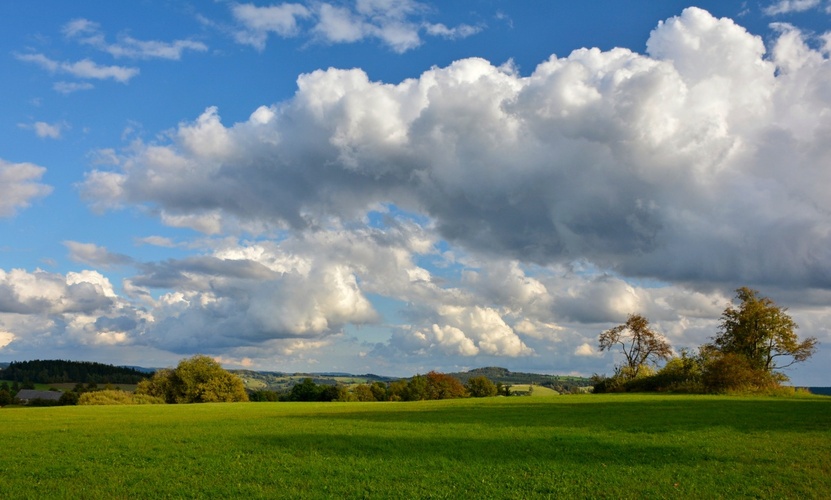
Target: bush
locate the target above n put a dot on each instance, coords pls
(732, 373)
(116, 397)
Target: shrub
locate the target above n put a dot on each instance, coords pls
(731, 373)
(116, 397)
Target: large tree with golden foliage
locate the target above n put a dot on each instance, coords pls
(199, 379)
(761, 332)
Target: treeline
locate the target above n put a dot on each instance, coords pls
(62, 371)
(433, 385)
(563, 384)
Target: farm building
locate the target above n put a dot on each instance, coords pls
(27, 395)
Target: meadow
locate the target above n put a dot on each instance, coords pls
(595, 446)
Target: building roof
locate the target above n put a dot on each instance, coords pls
(29, 394)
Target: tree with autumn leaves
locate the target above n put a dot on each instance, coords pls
(756, 338)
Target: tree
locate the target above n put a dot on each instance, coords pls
(5, 397)
(444, 386)
(306, 390)
(640, 344)
(363, 392)
(198, 379)
(761, 332)
(481, 387)
(379, 390)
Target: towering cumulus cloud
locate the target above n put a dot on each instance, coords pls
(661, 165)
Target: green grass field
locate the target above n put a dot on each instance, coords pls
(599, 446)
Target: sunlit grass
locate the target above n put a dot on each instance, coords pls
(613, 446)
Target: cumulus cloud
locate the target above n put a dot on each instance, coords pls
(49, 311)
(19, 185)
(669, 165)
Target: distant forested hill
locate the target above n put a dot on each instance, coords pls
(561, 383)
(61, 371)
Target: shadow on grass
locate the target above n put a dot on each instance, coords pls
(654, 415)
(483, 451)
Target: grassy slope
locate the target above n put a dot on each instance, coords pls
(614, 446)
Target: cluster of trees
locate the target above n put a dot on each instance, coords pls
(199, 379)
(755, 339)
(63, 371)
(564, 384)
(433, 385)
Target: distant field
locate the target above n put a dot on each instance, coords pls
(612, 446)
(537, 390)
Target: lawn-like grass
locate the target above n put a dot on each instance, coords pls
(600, 446)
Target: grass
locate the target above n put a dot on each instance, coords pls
(598, 446)
(536, 390)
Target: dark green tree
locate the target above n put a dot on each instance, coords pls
(379, 390)
(417, 389)
(761, 332)
(306, 390)
(5, 397)
(481, 387)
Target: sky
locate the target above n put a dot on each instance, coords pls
(394, 187)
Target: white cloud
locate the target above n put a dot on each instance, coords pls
(258, 22)
(70, 87)
(19, 186)
(788, 6)
(396, 24)
(6, 338)
(158, 241)
(84, 68)
(89, 33)
(585, 349)
(461, 31)
(647, 165)
(46, 130)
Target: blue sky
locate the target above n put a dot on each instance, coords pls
(398, 187)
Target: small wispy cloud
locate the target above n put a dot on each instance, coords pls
(84, 69)
(398, 25)
(788, 6)
(89, 33)
(45, 130)
(70, 87)
(92, 254)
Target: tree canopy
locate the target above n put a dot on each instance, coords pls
(761, 332)
(198, 379)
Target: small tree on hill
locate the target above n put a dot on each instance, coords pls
(639, 343)
(481, 387)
